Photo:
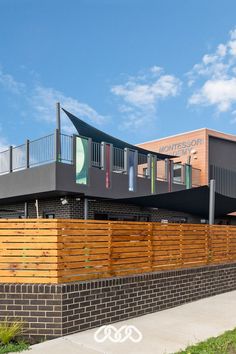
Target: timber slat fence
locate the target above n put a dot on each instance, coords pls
(62, 250)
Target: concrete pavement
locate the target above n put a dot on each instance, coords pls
(163, 332)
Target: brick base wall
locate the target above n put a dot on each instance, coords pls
(54, 310)
(75, 210)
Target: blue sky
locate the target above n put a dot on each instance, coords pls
(138, 69)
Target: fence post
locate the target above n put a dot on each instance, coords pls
(150, 244)
(10, 159)
(228, 243)
(110, 272)
(181, 245)
(208, 242)
(27, 153)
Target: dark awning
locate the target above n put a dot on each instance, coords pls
(98, 136)
(192, 201)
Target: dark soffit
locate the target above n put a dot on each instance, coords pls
(193, 201)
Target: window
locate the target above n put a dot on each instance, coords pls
(177, 173)
(145, 171)
(121, 217)
(49, 215)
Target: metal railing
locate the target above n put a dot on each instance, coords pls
(118, 160)
(96, 154)
(19, 157)
(178, 173)
(4, 162)
(60, 148)
(42, 150)
(142, 165)
(66, 148)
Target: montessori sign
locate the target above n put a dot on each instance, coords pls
(182, 148)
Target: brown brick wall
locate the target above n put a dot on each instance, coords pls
(75, 209)
(55, 310)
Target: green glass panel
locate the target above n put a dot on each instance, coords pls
(81, 160)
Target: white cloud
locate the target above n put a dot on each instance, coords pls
(140, 95)
(3, 144)
(214, 80)
(221, 93)
(9, 83)
(43, 101)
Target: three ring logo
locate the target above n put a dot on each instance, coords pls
(118, 335)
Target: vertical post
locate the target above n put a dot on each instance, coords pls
(10, 159)
(27, 156)
(126, 160)
(37, 208)
(26, 210)
(74, 150)
(58, 112)
(85, 208)
(89, 152)
(153, 170)
(149, 165)
(188, 176)
(183, 174)
(212, 202)
(135, 167)
(103, 155)
(170, 175)
(166, 169)
(57, 146)
(107, 162)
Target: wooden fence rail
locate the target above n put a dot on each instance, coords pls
(62, 250)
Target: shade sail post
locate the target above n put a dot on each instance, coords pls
(212, 202)
(58, 129)
(85, 208)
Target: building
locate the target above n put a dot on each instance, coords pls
(93, 175)
(85, 176)
(212, 155)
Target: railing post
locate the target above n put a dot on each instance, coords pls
(149, 158)
(152, 171)
(126, 160)
(74, 150)
(166, 169)
(27, 153)
(57, 146)
(10, 159)
(183, 174)
(169, 173)
(89, 152)
(188, 176)
(103, 155)
(107, 162)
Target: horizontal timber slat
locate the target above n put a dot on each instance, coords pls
(63, 250)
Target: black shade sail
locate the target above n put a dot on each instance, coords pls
(99, 136)
(193, 201)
